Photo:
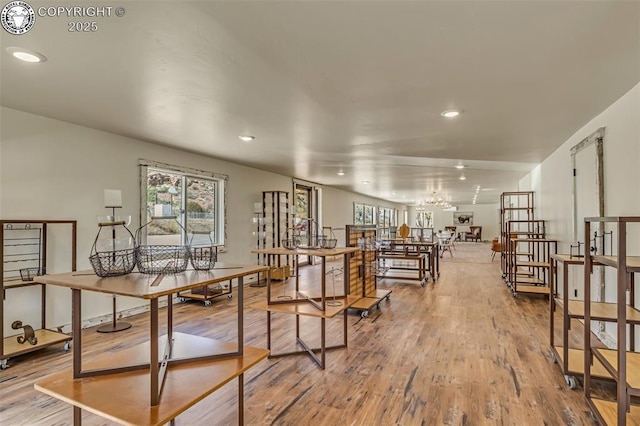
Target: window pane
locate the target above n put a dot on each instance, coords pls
(201, 211)
(358, 214)
(164, 200)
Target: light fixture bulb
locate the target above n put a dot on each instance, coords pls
(340, 173)
(450, 113)
(365, 182)
(246, 138)
(462, 177)
(26, 55)
(459, 166)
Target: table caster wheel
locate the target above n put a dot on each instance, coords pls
(230, 296)
(364, 314)
(572, 382)
(182, 299)
(67, 346)
(207, 303)
(3, 364)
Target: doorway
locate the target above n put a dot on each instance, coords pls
(306, 216)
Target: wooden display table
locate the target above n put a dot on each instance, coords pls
(119, 397)
(322, 254)
(412, 250)
(310, 303)
(158, 371)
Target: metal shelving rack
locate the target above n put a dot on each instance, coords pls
(517, 205)
(622, 364)
(24, 248)
(363, 264)
(277, 218)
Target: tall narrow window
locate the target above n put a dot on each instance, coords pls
(181, 204)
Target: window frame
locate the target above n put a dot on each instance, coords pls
(220, 197)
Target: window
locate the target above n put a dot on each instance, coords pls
(387, 217)
(363, 214)
(424, 219)
(175, 200)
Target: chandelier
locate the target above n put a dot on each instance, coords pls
(435, 200)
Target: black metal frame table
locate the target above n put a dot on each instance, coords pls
(307, 303)
(152, 288)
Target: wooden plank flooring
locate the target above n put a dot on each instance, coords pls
(460, 351)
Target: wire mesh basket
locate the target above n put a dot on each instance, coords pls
(203, 257)
(290, 244)
(161, 258)
(327, 241)
(28, 274)
(120, 259)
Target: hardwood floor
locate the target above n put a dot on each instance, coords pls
(460, 351)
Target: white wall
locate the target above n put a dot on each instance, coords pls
(553, 181)
(338, 209)
(485, 215)
(55, 170)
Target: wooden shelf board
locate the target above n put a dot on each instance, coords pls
(365, 303)
(124, 397)
(45, 338)
(608, 410)
(400, 274)
(569, 260)
(527, 264)
(379, 293)
(633, 262)
(139, 285)
(601, 311)
(531, 289)
(304, 308)
(317, 295)
(18, 284)
(576, 363)
(526, 233)
(307, 252)
(633, 364)
(529, 280)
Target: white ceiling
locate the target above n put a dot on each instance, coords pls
(330, 85)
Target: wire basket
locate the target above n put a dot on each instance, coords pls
(28, 274)
(203, 257)
(116, 262)
(290, 244)
(328, 243)
(161, 258)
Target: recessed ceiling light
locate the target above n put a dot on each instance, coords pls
(450, 113)
(462, 177)
(365, 182)
(459, 166)
(246, 138)
(340, 173)
(26, 54)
